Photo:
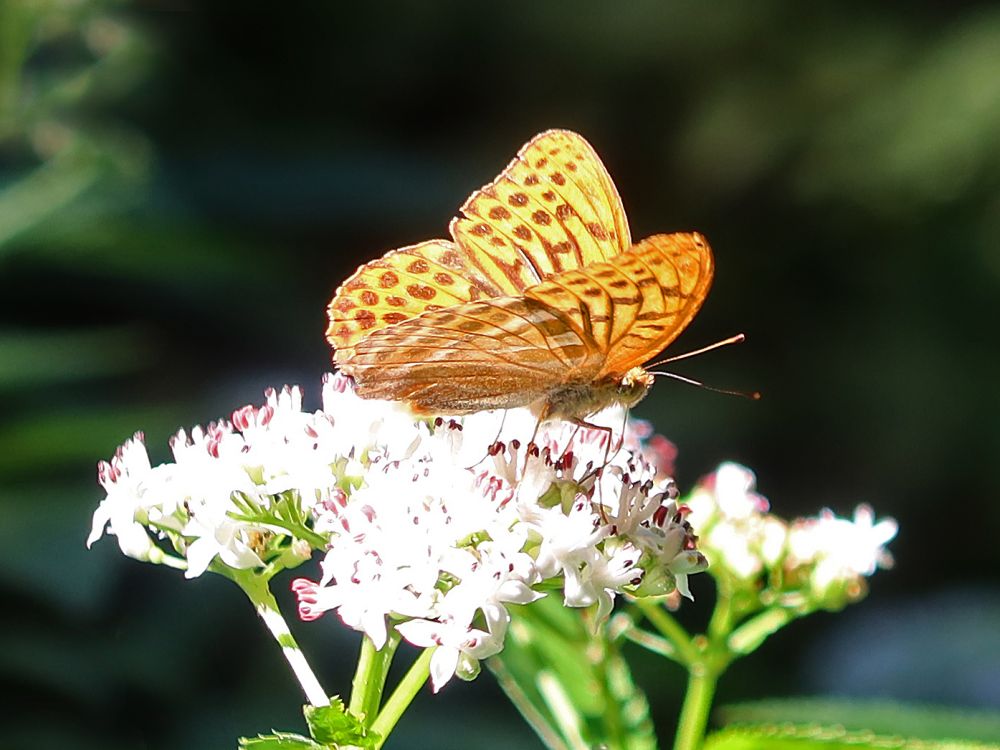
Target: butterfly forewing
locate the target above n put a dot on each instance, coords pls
(577, 175)
(554, 205)
(554, 208)
(674, 271)
(632, 306)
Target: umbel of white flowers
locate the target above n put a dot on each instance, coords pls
(822, 559)
(431, 527)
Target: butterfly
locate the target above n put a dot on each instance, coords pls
(539, 299)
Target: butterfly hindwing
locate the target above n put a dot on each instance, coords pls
(482, 355)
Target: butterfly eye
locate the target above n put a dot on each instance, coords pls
(633, 386)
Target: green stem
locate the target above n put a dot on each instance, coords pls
(257, 590)
(750, 635)
(656, 644)
(670, 629)
(159, 557)
(369, 677)
(402, 696)
(697, 704)
(529, 712)
(566, 716)
(613, 730)
(627, 720)
(721, 623)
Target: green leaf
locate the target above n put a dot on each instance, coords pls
(285, 512)
(43, 441)
(879, 717)
(572, 686)
(279, 741)
(331, 726)
(816, 737)
(50, 187)
(335, 725)
(39, 359)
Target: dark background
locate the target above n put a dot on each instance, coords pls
(183, 188)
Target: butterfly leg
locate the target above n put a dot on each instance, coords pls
(608, 431)
(569, 443)
(493, 444)
(607, 455)
(621, 440)
(534, 433)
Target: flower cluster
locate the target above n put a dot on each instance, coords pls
(816, 561)
(221, 497)
(432, 527)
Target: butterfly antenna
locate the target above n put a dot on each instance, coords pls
(752, 395)
(739, 338)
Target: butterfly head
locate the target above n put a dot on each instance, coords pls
(633, 386)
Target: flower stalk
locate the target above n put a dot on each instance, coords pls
(370, 675)
(697, 705)
(407, 689)
(257, 589)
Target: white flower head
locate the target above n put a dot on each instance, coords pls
(839, 552)
(261, 458)
(432, 526)
(824, 558)
(733, 524)
(462, 517)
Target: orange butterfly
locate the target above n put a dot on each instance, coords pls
(539, 300)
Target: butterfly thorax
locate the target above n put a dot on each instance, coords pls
(578, 400)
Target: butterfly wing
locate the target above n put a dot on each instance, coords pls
(554, 208)
(498, 353)
(540, 288)
(634, 305)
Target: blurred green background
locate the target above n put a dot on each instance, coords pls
(183, 187)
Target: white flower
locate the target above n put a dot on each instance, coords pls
(840, 551)
(656, 450)
(728, 492)
(220, 537)
(732, 522)
(487, 581)
(125, 478)
(736, 548)
(365, 423)
(459, 647)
